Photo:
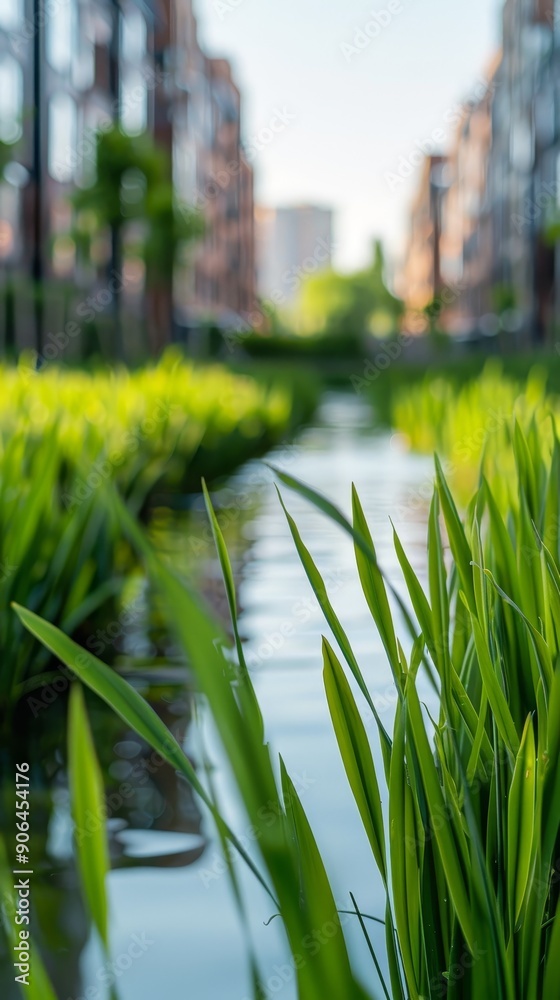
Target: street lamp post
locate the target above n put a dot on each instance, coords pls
(37, 174)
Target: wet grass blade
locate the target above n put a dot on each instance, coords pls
(329, 970)
(356, 754)
(37, 986)
(521, 822)
(370, 948)
(450, 860)
(373, 587)
(229, 585)
(129, 705)
(88, 802)
(333, 621)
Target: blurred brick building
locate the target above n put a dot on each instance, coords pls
(294, 241)
(225, 262)
(466, 232)
(421, 277)
(498, 241)
(84, 63)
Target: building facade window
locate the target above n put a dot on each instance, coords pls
(11, 98)
(62, 137)
(133, 36)
(11, 14)
(134, 101)
(60, 40)
(556, 17)
(83, 63)
(521, 149)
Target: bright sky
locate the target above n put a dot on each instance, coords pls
(349, 115)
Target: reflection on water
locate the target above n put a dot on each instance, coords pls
(168, 885)
(153, 817)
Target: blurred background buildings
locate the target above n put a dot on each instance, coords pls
(84, 66)
(292, 243)
(483, 241)
(484, 228)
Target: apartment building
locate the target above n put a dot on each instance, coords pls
(225, 265)
(421, 279)
(217, 279)
(294, 241)
(466, 232)
(500, 210)
(522, 129)
(84, 64)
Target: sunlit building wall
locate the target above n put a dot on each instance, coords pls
(294, 242)
(466, 233)
(498, 261)
(420, 281)
(523, 171)
(87, 63)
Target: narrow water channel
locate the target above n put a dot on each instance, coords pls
(175, 929)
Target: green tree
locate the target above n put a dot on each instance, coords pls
(170, 227)
(133, 183)
(351, 305)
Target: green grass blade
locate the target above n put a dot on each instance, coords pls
(521, 822)
(374, 588)
(329, 971)
(356, 754)
(552, 969)
(229, 585)
(457, 536)
(129, 705)
(87, 798)
(333, 621)
(494, 692)
(438, 809)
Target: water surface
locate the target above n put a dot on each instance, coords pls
(175, 929)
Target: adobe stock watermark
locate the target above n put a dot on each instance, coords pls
(87, 310)
(269, 645)
(440, 985)
(31, 25)
(417, 319)
(86, 148)
(436, 140)
(98, 642)
(267, 814)
(533, 208)
(225, 7)
(103, 468)
(231, 504)
(141, 773)
(110, 972)
(379, 20)
(279, 121)
(292, 280)
(384, 358)
(310, 946)
(220, 180)
(464, 450)
(391, 351)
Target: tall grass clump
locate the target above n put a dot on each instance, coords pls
(460, 420)
(463, 816)
(65, 435)
(145, 427)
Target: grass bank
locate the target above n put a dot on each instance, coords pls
(462, 810)
(66, 434)
(466, 415)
